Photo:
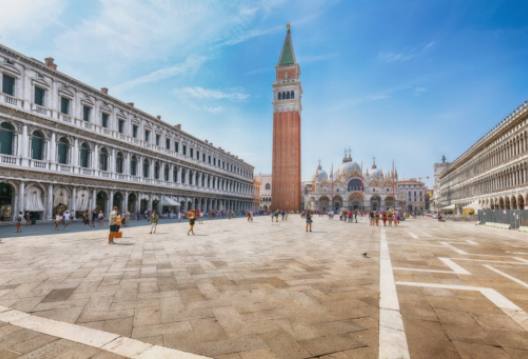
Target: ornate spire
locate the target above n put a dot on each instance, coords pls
(374, 163)
(287, 57)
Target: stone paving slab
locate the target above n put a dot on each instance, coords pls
(270, 290)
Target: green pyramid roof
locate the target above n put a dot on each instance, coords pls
(287, 55)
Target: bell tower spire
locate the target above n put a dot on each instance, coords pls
(287, 93)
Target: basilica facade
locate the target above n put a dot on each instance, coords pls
(351, 187)
(67, 146)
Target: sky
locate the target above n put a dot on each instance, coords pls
(399, 80)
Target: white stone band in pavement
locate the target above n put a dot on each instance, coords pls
(392, 337)
(102, 340)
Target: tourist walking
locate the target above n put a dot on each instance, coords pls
(66, 218)
(355, 215)
(100, 217)
(58, 220)
(114, 228)
(390, 218)
(192, 219)
(154, 219)
(384, 218)
(309, 221)
(371, 216)
(18, 222)
(377, 218)
(94, 218)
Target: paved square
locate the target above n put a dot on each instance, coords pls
(268, 290)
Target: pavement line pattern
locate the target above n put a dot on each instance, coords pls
(489, 261)
(102, 340)
(413, 235)
(506, 275)
(503, 303)
(520, 259)
(455, 268)
(471, 242)
(453, 248)
(392, 338)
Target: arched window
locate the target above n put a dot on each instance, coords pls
(85, 155)
(166, 173)
(7, 138)
(133, 166)
(175, 174)
(63, 150)
(103, 159)
(146, 168)
(292, 95)
(119, 162)
(37, 146)
(280, 95)
(156, 170)
(355, 185)
(183, 175)
(267, 186)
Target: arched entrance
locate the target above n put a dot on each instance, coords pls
(118, 201)
(501, 203)
(143, 205)
(7, 202)
(155, 205)
(132, 198)
(375, 202)
(100, 201)
(389, 202)
(355, 201)
(513, 203)
(520, 202)
(61, 200)
(324, 204)
(337, 203)
(507, 203)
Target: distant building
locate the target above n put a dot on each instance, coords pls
(352, 188)
(439, 169)
(265, 191)
(412, 196)
(492, 173)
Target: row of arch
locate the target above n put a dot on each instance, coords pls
(286, 95)
(505, 202)
(138, 166)
(355, 201)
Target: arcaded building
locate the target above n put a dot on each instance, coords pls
(287, 93)
(493, 172)
(67, 146)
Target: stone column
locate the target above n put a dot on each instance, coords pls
(24, 146)
(49, 207)
(74, 202)
(95, 158)
(94, 199)
(52, 148)
(110, 201)
(149, 202)
(21, 191)
(125, 202)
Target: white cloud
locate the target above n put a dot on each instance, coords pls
(404, 56)
(190, 65)
(25, 18)
(201, 93)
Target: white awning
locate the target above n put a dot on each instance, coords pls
(447, 208)
(82, 202)
(33, 201)
(169, 202)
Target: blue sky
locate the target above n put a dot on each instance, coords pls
(399, 80)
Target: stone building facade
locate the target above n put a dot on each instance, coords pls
(493, 172)
(265, 191)
(287, 93)
(65, 145)
(352, 188)
(412, 196)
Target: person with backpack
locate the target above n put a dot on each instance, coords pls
(308, 221)
(154, 219)
(18, 222)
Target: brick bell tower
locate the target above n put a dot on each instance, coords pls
(287, 93)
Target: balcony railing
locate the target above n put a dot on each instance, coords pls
(8, 159)
(11, 100)
(39, 164)
(65, 168)
(40, 109)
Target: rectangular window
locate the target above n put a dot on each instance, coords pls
(167, 143)
(104, 119)
(184, 150)
(203, 157)
(65, 105)
(87, 110)
(176, 146)
(134, 131)
(147, 135)
(209, 159)
(198, 155)
(121, 126)
(8, 85)
(39, 96)
(191, 151)
(158, 137)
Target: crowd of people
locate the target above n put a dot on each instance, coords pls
(387, 218)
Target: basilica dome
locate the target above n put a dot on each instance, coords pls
(321, 176)
(350, 169)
